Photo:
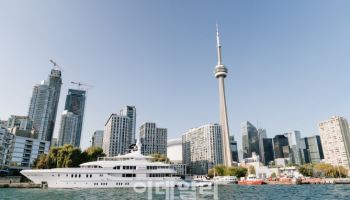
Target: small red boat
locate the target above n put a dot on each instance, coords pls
(251, 180)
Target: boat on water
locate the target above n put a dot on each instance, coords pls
(251, 180)
(225, 180)
(130, 170)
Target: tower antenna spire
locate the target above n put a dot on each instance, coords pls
(218, 45)
(220, 74)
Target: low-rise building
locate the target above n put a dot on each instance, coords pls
(23, 151)
(181, 169)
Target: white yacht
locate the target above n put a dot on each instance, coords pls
(130, 170)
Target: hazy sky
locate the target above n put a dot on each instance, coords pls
(288, 61)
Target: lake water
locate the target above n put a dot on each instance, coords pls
(319, 192)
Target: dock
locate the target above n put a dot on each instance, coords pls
(20, 185)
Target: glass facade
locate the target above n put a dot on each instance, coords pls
(75, 103)
(268, 150)
(281, 146)
(250, 139)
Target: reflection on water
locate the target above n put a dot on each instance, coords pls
(223, 192)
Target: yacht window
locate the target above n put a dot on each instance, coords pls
(87, 175)
(72, 175)
(79, 175)
(90, 175)
(76, 175)
(118, 167)
(114, 167)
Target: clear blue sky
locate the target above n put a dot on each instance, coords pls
(288, 61)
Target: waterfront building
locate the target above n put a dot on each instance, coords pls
(282, 162)
(312, 149)
(234, 149)
(335, 138)
(202, 148)
(97, 139)
(153, 139)
(295, 147)
(267, 151)
(174, 150)
(115, 137)
(44, 103)
(221, 73)
(250, 139)
(281, 146)
(130, 111)
(261, 135)
(68, 129)
(23, 151)
(5, 141)
(261, 171)
(75, 103)
(181, 169)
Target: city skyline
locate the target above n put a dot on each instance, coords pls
(279, 83)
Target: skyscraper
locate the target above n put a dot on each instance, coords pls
(294, 144)
(335, 138)
(312, 149)
(115, 138)
(268, 151)
(234, 149)
(130, 111)
(220, 74)
(68, 129)
(97, 139)
(75, 103)
(250, 139)
(202, 148)
(153, 139)
(261, 135)
(55, 82)
(43, 105)
(281, 146)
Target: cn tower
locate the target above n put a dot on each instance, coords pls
(220, 74)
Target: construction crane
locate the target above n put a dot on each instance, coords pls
(55, 65)
(79, 84)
